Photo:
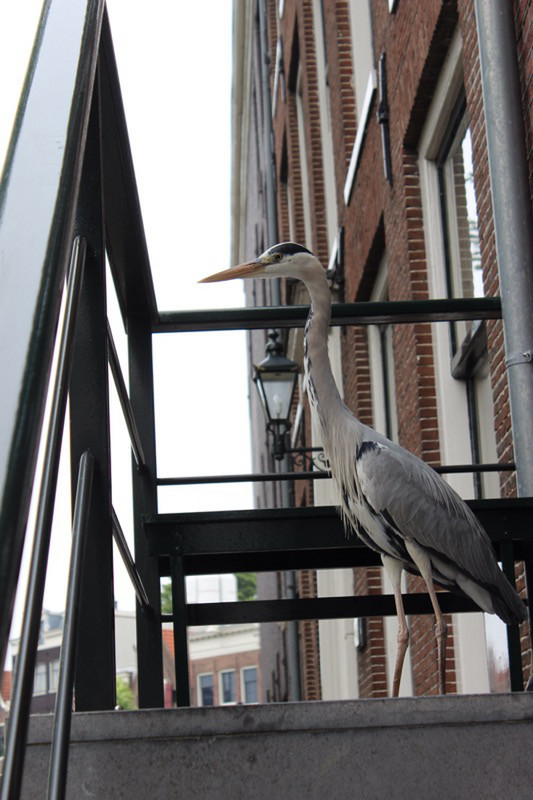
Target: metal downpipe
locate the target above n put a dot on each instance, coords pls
(513, 222)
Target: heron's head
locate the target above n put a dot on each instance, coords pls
(285, 260)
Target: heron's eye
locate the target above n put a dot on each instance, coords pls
(278, 256)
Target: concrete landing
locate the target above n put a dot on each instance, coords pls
(451, 747)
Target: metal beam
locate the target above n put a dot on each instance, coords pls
(89, 426)
(362, 313)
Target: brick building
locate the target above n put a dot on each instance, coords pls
(359, 131)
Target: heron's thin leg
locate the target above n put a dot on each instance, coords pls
(423, 563)
(394, 569)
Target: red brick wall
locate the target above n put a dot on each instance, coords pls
(416, 39)
(216, 665)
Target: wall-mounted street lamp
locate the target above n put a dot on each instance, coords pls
(275, 378)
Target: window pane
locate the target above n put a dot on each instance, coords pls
(54, 675)
(228, 687)
(460, 224)
(207, 695)
(250, 684)
(469, 275)
(40, 683)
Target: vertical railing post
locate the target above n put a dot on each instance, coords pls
(89, 420)
(179, 614)
(149, 637)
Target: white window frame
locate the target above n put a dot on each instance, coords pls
(221, 687)
(363, 104)
(392, 6)
(359, 137)
(375, 352)
(469, 629)
(199, 687)
(53, 684)
(243, 685)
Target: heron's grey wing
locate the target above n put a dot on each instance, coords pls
(423, 507)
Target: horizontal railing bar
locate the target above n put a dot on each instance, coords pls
(318, 608)
(263, 477)
(253, 477)
(124, 399)
(129, 563)
(362, 313)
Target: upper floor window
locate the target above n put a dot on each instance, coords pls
(362, 51)
(381, 359)
(462, 250)
(364, 79)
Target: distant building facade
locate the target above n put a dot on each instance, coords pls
(223, 659)
(49, 650)
(370, 128)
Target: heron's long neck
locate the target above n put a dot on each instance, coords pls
(321, 387)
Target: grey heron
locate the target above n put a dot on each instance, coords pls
(397, 504)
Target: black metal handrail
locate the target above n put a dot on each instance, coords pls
(318, 474)
(361, 313)
(129, 563)
(38, 191)
(125, 404)
(22, 691)
(57, 775)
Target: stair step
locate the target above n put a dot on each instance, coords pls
(438, 747)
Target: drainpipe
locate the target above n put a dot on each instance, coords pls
(273, 236)
(513, 222)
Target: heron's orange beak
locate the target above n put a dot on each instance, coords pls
(240, 271)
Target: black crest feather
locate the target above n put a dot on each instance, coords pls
(289, 249)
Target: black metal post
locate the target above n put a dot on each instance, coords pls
(57, 775)
(179, 616)
(149, 637)
(89, 416)
(513, 631)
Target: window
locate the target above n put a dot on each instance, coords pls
(228, 687)
(54, 675)
(40, 681)
(364, 79)
(206, 689)
(466, 414)
(382, 364)
(462, 250)
(249, 685)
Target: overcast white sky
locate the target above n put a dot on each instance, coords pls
(174, 63)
